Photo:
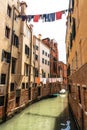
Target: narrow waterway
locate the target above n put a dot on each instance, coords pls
(47, 114)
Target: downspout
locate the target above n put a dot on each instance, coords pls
(34, 57)
(39, 57)
(30, 56)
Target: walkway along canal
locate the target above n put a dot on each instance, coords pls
(47, 114)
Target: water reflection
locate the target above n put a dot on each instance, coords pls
(47, 114)
(67, 126)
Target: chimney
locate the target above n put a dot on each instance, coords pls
(23, 7)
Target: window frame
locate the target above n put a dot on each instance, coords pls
(3, 81)
(7, 32)
(9, 10)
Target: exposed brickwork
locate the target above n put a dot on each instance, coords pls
(78, 97)
(11, 106)
(76, 49)
(23, 97)
(1, 111)
(34, 92)
(79, 77)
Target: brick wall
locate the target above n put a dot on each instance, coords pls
(79, 77)
(79, 108)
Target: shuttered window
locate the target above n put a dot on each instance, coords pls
(73, 29)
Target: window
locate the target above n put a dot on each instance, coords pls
(36, 47)
(48, 55)
(42, 51)
(27, 50)
(6, 56)
(36, 57)
(79, 94)
(43, 74)
(7, 32)
(9, 11)
(16, 40)
(23, 85)
(51, 56)
(45, 53)
(48, 63)
(42, 60)
(39, 91)
(69, 88)
(12, 87)
(26, 69)
(68, 70)
(72, 4)
(70, 40)
(1, 100)
(54, 67)
(36, 72)
(45, 61)
(13, 65)
(3, 78)
(73, 28)
(27, 85)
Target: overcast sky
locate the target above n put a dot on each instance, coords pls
(54, 30)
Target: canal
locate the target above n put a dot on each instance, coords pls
(47, 114)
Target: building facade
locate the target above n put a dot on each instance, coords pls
(22, 59)
(15, 62)
(42, 58)
(76, 46)
(52, 44)
(62, 71)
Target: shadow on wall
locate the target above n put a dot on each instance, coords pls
(64, 121)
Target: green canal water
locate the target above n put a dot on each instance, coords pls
(47, 114)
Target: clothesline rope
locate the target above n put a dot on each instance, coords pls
(45, 17)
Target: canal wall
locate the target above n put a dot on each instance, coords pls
(19, 99)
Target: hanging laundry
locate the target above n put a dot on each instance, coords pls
(24, 17)
(58, 15)
(46, 17)
(30, 17)
(52, 17)
(36, 18)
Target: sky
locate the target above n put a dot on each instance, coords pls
(54, 30)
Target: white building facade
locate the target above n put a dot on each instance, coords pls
(42, 58)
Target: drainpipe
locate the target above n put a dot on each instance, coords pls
(34, 58)
(31, 26)
(39, 40)
(9, 71)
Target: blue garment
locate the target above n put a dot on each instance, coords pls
(46, 16)
(52, 17)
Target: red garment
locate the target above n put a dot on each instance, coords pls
(58, 15)
(36, 18)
